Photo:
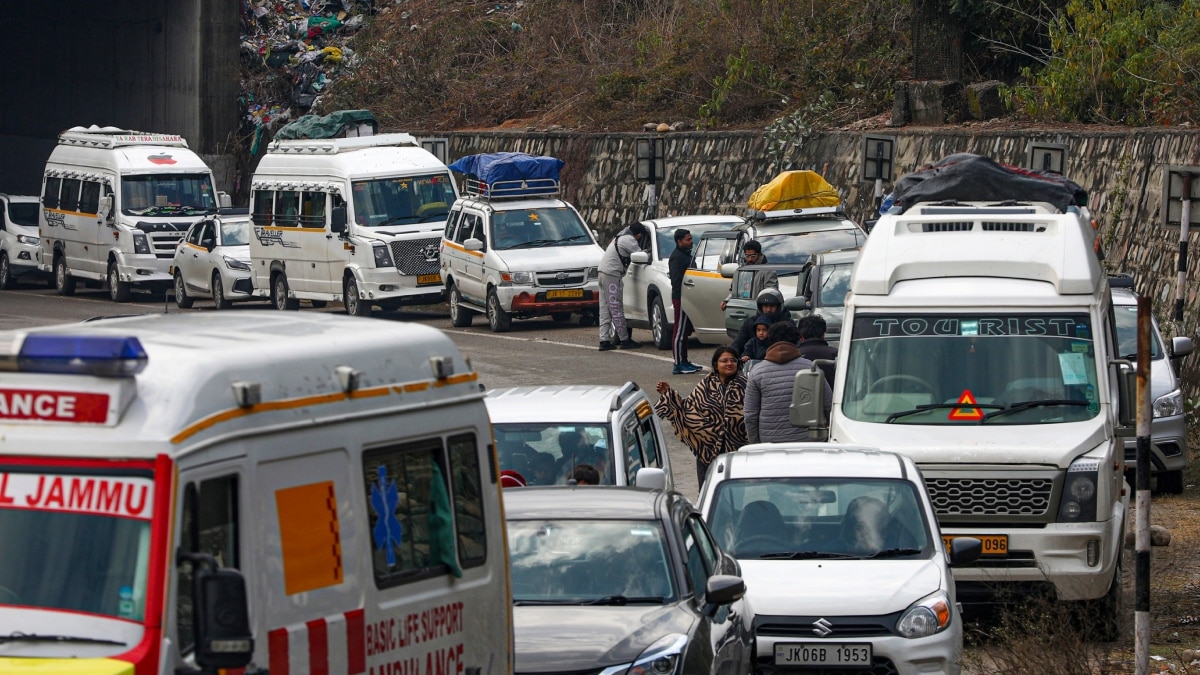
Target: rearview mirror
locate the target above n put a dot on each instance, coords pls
(337, 220)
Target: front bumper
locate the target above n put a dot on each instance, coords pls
(537, 301)
(938, 653)
(22, 258)
(384, 283)
(1168, 445)
(144, 269)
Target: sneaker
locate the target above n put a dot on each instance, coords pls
(630, 344)
(606, 345)
(685, 369)
(693, 365)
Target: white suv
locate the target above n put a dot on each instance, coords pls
(18, 237)
(843, 560)
(542, 433)
(513, 249)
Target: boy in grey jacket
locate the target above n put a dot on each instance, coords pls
(769, 388)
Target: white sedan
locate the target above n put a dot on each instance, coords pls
(213, 260)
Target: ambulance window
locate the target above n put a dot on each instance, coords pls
(408, 509)
(468, 500)
(210, 525)
(312, 209)
(69, 201)
(89, 197)
(261, 211)
(287, 208)
(50, 193)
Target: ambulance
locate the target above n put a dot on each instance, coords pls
(248, 492)
(115, 203)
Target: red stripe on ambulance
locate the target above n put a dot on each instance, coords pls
(330, 645)
(42, 405)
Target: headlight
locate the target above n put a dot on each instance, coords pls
(522, 277)
(925, 617)
(383, 258)
(235, 264)
(593, 273)
(1169, 405)
(664, 657)
(140, 243)
(26, 239)
(1078, 503)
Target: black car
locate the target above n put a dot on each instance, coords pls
(617, 581)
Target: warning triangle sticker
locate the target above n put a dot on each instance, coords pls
(966, 413)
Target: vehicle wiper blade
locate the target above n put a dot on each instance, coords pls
(806, 555)
(536, 603)
(939, 406)
(33, 637)
(1026, 405)
(536, 243)
(893, 552)
(621, 600)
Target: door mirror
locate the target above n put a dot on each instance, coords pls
(1180, 347)
(721, 590)
(221, 614)
(1127, 406)
(224, 201)
(808, 402)
(209, 244)
(639, 258)
(796, 304)
(104, 210)
(964, 550)
(337, 220)
(473, 244)
(728, 270)
(650, 478)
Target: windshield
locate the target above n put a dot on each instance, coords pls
(573, 562)
(666, 236)
(1019, 368)
(235, 233)
(797, 518)
(835, 282)
(24, 213)
(545, 454)
(1126, 316)
(797, 247)
(77, 543)
(402, 201)
(167, 194)
(535, 228)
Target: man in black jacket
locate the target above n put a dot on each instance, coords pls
(813, 346)
(677, 265)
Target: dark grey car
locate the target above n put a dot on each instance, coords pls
(616, 581)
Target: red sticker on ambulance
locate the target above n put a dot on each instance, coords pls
(41, 405)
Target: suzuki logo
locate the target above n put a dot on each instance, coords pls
(822, 627)
(430, 252)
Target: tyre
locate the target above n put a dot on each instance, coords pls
(181, 296)
(460, 317)
(6, 279)
(355, 306)
(279, 293)
(218, 292)
(1170, 482)
(64, 283)
(118, 290)
(660, 328)
(318, 304)
(498, 319)
(561, 317)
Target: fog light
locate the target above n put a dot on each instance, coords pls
(145, 273)
(23, 255)
(1093, 552)
(386, 288)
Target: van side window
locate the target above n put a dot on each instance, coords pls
(262, 206)
(210, 525)
(312, 210)
(633, 450)
(287, 208)
(650, 448)
(69, 199)
(50, 193)
(468, 500)
(468, 226)
(410, 513)
(89, 197)
(451, 223)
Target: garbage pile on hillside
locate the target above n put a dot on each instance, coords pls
(292, 50)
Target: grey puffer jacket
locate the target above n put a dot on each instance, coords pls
(769, 395)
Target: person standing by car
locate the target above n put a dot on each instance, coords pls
(769, 388)
(813, 346)
(752, 255)
(677, 265)
(711, 420)
(770, 303)
(613, 266)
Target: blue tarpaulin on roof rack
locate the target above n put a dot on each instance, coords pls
(504, 166)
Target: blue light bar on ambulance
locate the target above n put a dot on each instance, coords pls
(99, 355)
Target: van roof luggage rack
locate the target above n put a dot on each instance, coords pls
(114, 137)
(332, 146)
(512, 189)
(509, 175)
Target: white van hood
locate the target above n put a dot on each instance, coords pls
(550, 258)
(837, 587)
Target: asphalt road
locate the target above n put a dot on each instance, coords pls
(533, 352)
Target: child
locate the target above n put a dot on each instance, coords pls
(755, 348)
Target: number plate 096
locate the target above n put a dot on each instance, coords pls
(822, 654)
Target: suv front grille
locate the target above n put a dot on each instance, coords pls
(990, 496)
(163, 243)
(417, 256)
(562, 278)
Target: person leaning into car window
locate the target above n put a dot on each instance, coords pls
(752, 255)
(614, 333)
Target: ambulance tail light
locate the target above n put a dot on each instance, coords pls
(98, 355)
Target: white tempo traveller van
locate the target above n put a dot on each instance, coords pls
(248, 492)
(114, 205)
(352, 220)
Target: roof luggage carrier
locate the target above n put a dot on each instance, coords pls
(114, 137)
(511, 189)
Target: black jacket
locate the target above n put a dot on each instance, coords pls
(677, 265)
(816, 348)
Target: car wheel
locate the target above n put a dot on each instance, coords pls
(64, 283)
(1170, 482)
(318, 304)
(350, 297)
(561, 317)
(117, 290)
(181, 296)
(499, 320)
(218, 292)
(279, 293)
(6, 280)
(659, 326)
(460, 317)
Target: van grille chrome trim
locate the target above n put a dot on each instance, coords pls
(990, 496)
(417, 256)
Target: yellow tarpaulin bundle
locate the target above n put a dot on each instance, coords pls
(794, 190)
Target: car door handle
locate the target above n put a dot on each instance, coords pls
(689, 282)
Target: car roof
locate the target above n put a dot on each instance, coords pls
(814, 460)
(553, 403)
(769, 229)
(559, 502)
(674, 222)
(512, 204)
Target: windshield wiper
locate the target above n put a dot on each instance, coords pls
(806, 555)
(1026, 405)
(621, 600)
(394, 219)
(893, 552)
(518, 603)
(536, 243)
(940, 406)
(31, 637)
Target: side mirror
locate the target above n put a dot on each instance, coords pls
(964, 550)
(1180, 347)
(728, 270)
(869, 225)
(104, 209)
(224, 201)
(808, 402)
(722, 589)
(337, 220)
(209, 244)
(220, 613)
(798, 303)
(639, 258)
(650, 478)
(473, 244)
(1127, 406)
